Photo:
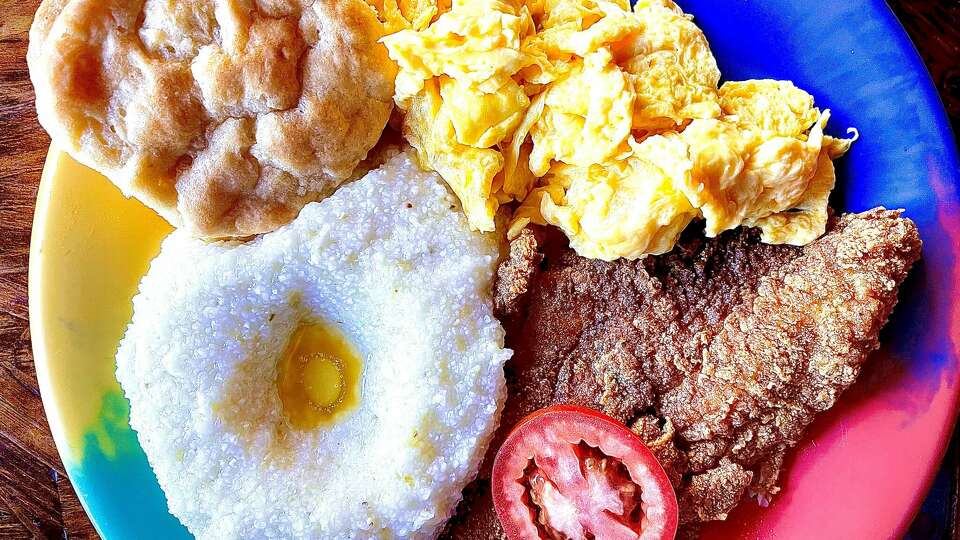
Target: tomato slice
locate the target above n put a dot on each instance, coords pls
(572, 473)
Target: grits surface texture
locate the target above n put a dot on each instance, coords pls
(389, 261)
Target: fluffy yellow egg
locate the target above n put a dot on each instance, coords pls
(482, 119)
(731, 171)
(607, 122)
(413, 14)
(597, 210)
(586, 117)
(469, 171)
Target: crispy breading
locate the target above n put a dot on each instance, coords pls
(719, 353)
(515, 274)
(224, 117)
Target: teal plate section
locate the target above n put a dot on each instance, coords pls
(116, 484)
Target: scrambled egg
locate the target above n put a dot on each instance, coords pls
(409, 14)
(605, 121)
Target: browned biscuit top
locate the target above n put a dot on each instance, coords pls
(225, 116)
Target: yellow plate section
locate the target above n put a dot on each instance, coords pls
(90, 246)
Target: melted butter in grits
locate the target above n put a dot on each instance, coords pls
(317, 381)
(318, 376)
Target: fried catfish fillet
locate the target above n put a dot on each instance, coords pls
(719, 354)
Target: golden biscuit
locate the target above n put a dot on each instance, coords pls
(225, 116)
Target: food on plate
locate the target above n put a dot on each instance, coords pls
(606, 122)
(339, 377)
(403, 14)
(335, 367)
(224, 117)
(718, 354)
(574, 473)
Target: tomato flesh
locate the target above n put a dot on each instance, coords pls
(611, 500)
(568, 473)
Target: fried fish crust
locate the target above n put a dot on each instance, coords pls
(227, 116)
(718, 354)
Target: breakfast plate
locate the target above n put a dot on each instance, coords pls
(865, 466)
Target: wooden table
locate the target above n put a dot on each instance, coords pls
(36, 498)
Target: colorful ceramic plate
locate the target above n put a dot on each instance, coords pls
(865, 467)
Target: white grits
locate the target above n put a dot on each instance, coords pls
(392, 259)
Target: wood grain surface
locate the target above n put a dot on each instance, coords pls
(36, 498)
